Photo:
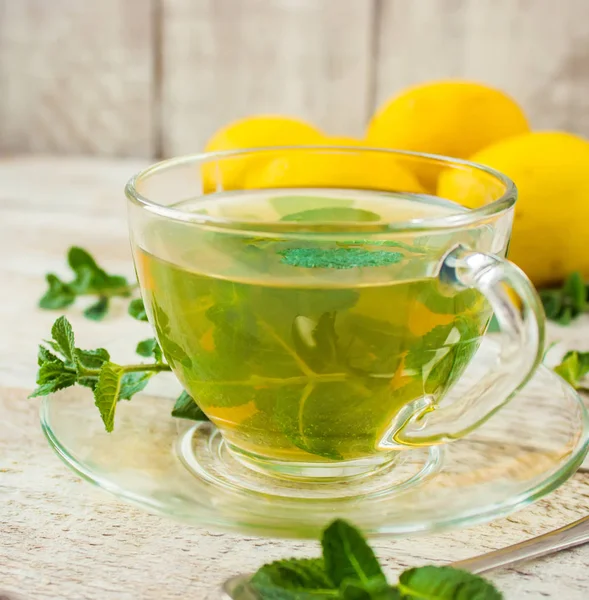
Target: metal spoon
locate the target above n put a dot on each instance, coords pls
(573, 534)
(569, 536)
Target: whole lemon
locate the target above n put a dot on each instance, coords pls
(334, 168)
(256, 131)
(451, 118)
(551, 223)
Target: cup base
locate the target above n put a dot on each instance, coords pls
(204, 452)
(325, 472)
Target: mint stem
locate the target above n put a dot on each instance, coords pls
(255, 380)
(157, 367)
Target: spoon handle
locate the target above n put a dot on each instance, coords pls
(573, 534)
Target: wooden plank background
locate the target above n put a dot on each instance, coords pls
(77, 77)
(157, 77)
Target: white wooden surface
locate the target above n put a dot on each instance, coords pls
(61, 539)
(157, 77)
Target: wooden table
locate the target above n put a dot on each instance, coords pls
(60, 537)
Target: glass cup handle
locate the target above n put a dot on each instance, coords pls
(521, 346)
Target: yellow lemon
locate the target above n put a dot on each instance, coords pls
(334, 168)
(451, 118)
(252, 132)
(551, 224)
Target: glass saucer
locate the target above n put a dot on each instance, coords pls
(185, 471)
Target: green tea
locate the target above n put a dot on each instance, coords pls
(306, 349)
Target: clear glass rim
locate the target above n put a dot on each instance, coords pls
(494, 208)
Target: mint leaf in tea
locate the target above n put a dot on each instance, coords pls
(306, 347)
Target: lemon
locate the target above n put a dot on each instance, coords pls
(252, 132)
(263, 130)
(334, 168)
(451, 118)
(551, 223)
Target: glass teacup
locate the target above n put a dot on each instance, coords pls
(319, 315)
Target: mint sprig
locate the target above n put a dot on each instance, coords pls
(445, 583)
(187, 408)
(149, 348)
(304, 577)
(566, 303)
(349, 570)
(89, 280)
(137, 309)
(347, 555)
(574, 368)
(62, 364)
